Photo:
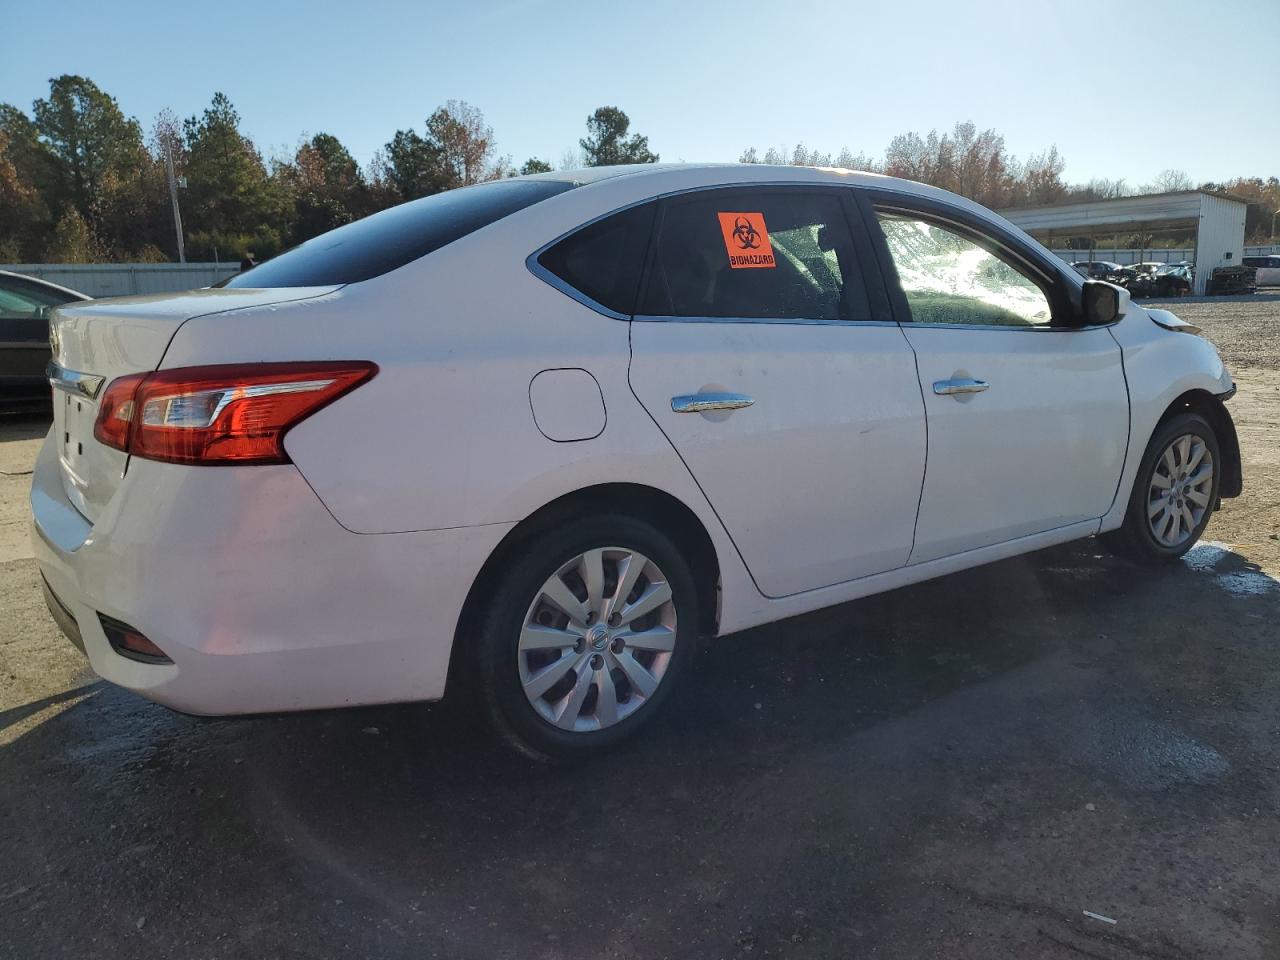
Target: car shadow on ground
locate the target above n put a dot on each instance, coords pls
(791, 747)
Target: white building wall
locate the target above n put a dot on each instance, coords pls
(1127, 256)
(1220, 242)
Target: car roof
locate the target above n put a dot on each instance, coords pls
(663, 178)
(25, 278)
(716, 174)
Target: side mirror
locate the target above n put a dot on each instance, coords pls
(1100, 303)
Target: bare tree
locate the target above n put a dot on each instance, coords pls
(1169, 181)
(465, 142)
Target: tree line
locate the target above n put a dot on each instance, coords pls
(976, 164)
(82, 182)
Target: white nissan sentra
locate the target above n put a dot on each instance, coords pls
(534, 439)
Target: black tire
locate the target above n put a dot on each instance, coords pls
(494, 649)
(1135, 538)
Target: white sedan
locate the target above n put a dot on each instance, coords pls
(534, 439)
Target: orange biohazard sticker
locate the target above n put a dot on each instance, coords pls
(746, 240)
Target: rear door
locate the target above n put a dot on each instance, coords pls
(1028, 417)
(775, 371)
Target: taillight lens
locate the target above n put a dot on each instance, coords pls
(115, 412)
(232, 414)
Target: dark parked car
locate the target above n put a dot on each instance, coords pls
(25, 303)
(1096, 269)
(1268, 268)
(1155, 279)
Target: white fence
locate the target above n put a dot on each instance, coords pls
(126, 279)
(1157, 255)
(1262, 251)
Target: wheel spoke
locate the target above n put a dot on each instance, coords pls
(535, 636)
(559, 594)
(570, 707)
(1201, 476)
(1160, 481)
(1157, 507)
(654, 596)
(1170, 464)
(606, 698)
(629, 570)
(550, 675)
(642, 681)
(661, 639)
(593, 576)
(1197, 454)
(1198, 498)
(1168, 525)
(1188, 521)
(1184, 450)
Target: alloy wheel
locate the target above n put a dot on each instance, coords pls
(1178, 496)
(597, 639)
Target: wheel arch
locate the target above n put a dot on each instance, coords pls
(662, 509)
(1215, 411)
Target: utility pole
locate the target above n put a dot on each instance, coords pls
(173, 196)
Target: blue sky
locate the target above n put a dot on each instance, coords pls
(1125, 93)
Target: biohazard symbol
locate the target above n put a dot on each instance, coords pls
(746, 240)
(748, 237)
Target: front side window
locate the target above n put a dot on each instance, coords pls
(768, 254)
(948, 278)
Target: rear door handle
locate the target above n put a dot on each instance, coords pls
(960, 385)
(702, 402)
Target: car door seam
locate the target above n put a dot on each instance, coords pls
(1128, 439)
(631, 355)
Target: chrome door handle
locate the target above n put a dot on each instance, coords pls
(951, 388)
(703, 402)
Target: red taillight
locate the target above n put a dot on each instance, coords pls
(115, 412)
(233, 414)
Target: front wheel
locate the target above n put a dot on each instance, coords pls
(589, 630)
(1174, 493)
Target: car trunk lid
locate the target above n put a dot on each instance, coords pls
(96, 342)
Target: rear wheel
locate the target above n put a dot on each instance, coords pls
(587, 633)
(1174, 493)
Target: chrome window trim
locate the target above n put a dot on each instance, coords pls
(774, 321)
(570, 291)
(545, 275)
(72, 381)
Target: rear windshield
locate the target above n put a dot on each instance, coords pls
(390, 239)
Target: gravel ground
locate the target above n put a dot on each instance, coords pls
(957, 769)
(1246, 330)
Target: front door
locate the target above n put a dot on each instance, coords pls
(1028, 418)
(796, 411)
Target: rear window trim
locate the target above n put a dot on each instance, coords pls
(568, 289)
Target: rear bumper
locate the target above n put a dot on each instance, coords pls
(261, 599)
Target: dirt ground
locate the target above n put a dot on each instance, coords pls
(957, 769)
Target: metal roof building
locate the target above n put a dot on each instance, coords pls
(1216, 218)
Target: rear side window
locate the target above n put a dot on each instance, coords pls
(603, 260)
(766, 254)
(390, 239)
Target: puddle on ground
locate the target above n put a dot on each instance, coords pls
(1229, 570)
(1152, 754)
